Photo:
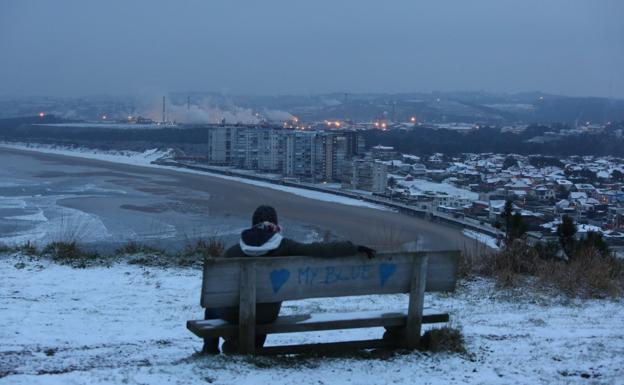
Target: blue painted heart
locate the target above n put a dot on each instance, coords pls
(279, 278)
(385, 271)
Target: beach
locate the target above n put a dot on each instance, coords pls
(109, 203)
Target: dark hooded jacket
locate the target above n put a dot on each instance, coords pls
(264, 240)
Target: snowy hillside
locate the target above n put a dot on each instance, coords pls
(126, 324)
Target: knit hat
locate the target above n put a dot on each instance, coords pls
(264, 213)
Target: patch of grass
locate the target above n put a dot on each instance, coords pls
(134, 253)
(212, 247)
(27, 248)
(69, 253)
(588, 273)
(192, 255)
(444, 339)
(131, 248)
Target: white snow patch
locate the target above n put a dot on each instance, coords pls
(421, 185)
(36, 217)
(126, 324)
(125, 157)
(12, 203)
(487, 240)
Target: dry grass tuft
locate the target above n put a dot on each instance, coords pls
(27, 248)
(588, 273)
(132, 248)
(212, 247)
(444, 339)
(5, 249)
(69, 253)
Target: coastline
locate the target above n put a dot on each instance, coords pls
(344, 215)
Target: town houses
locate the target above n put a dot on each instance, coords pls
(543, 189)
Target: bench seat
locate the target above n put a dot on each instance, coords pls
(316, 322)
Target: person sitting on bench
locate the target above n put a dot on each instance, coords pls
(264, 238)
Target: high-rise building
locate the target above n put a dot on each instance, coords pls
(221, 141)
(308, 155)
(300, 154)
(365, 174)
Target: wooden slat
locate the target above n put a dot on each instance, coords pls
(290, 278)
(416, 303)
(247, 309)
(331, 347)
(315, 322)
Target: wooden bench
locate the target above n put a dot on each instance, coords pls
(247, 281)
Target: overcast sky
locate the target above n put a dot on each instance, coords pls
(265, 47)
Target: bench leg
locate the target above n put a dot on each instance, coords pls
(211, 345)
(416, 303)
(247, 309)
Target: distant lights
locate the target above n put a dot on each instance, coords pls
(41, 114)
(104, 117)
(413, 119)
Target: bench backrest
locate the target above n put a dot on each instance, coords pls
(290, 278)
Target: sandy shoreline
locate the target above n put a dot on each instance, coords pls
(229, 198)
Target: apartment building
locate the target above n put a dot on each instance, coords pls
(221, 143)
(365, 174)
(308, 155)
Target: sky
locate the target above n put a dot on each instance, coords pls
(74, 48)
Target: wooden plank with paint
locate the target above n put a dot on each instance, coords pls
(290, 278)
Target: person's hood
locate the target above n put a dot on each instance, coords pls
(260, 239)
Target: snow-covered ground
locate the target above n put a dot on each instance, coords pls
(421, 186)
(122, 156)
(146, 158)
(487, 240)
(126, 324)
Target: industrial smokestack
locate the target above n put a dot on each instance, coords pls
(163, 112)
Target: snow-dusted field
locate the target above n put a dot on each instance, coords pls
(485, 239)
(126, 324)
